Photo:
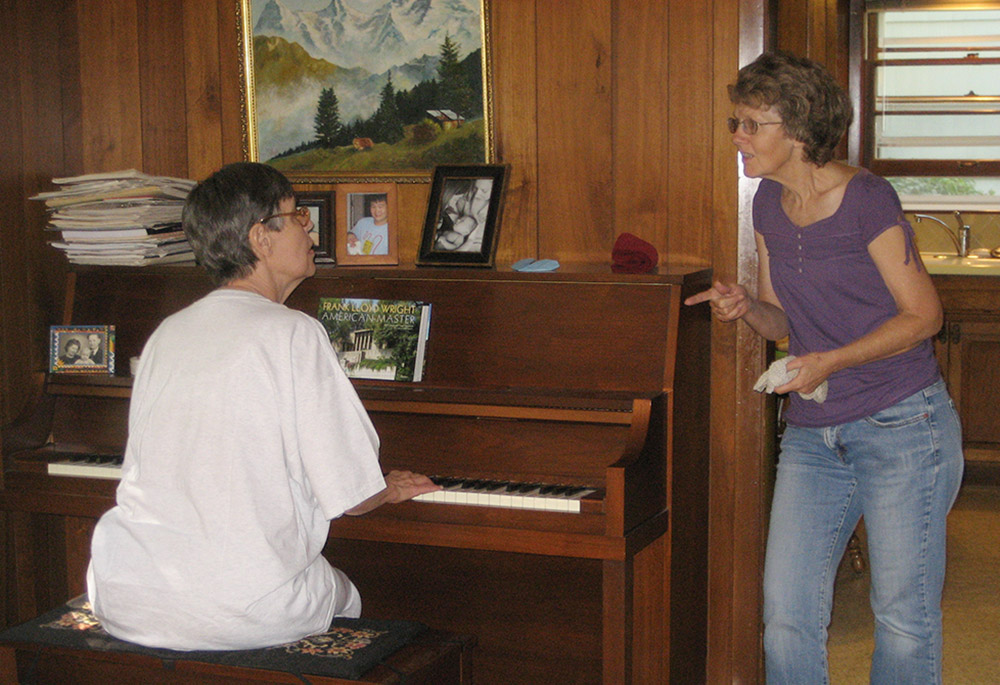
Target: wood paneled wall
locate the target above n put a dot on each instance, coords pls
(609, 112)
(819, 29)
(605, 111)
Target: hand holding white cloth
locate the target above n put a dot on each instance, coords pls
(777, 375)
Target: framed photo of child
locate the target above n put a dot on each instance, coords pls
(82, 349)
(463, 216)
(368, 232)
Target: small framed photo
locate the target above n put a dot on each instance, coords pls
(321, 210)
(82, 349)
(368, 231)
(463, 216)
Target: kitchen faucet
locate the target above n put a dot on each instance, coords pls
(961, 242)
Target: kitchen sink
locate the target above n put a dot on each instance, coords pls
(949, 264)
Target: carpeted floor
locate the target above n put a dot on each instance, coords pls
(971, 600)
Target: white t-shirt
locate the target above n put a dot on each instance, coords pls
(373, 239)
(245, 438)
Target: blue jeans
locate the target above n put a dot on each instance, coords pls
(900, 468)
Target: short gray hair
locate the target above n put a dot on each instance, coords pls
(220, 211)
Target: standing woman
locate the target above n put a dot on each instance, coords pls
(840, 275)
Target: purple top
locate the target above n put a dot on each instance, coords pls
(833, 294)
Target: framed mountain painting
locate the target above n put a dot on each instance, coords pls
(366, 90)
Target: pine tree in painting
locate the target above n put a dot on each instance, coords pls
(455, 91)
(329, 130)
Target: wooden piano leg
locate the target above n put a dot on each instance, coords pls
(78, 533)
(19, 560)
(636, 633)
(45, 559)
(618, 612)
(8, 665)
(6, 591)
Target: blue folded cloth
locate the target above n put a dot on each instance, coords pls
(530, 264)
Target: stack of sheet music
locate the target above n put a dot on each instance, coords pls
(119, 217)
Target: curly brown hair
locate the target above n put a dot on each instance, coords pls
(814, 109)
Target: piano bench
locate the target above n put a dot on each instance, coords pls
(67, 646)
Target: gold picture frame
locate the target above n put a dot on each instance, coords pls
(281, 112)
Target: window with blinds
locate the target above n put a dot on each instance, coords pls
(931, 90)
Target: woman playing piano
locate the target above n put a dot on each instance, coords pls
(245, 439)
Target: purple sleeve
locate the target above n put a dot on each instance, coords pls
(879, 209)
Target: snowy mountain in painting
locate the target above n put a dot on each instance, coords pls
(351, 46)
(387, 35)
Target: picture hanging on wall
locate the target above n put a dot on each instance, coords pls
(345, 97)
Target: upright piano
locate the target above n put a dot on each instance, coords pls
(565, 413)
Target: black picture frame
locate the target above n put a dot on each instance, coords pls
(321, 209)
(86, 358)
(459, 230)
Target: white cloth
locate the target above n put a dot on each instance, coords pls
(777, 375)
(245, 438)
(372, 238)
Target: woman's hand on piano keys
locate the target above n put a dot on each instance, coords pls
(404, 485)
(399, 487)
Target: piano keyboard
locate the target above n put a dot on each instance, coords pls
(464, 491)
(88, 466)
(506, 494)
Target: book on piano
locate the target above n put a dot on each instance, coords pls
(378, 339)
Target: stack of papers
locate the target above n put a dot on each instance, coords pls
(119, 217)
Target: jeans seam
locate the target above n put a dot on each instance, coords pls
(925, 542)
(830, 568)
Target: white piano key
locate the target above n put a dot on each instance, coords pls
(555, 504)
(85, 467)
(505, 494)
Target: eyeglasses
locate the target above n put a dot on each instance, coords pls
(750, 127)
(301, 215)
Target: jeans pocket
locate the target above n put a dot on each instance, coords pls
(906, 413)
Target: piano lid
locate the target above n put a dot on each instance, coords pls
(565, 331)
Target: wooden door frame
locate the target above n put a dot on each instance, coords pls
(741, 469)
